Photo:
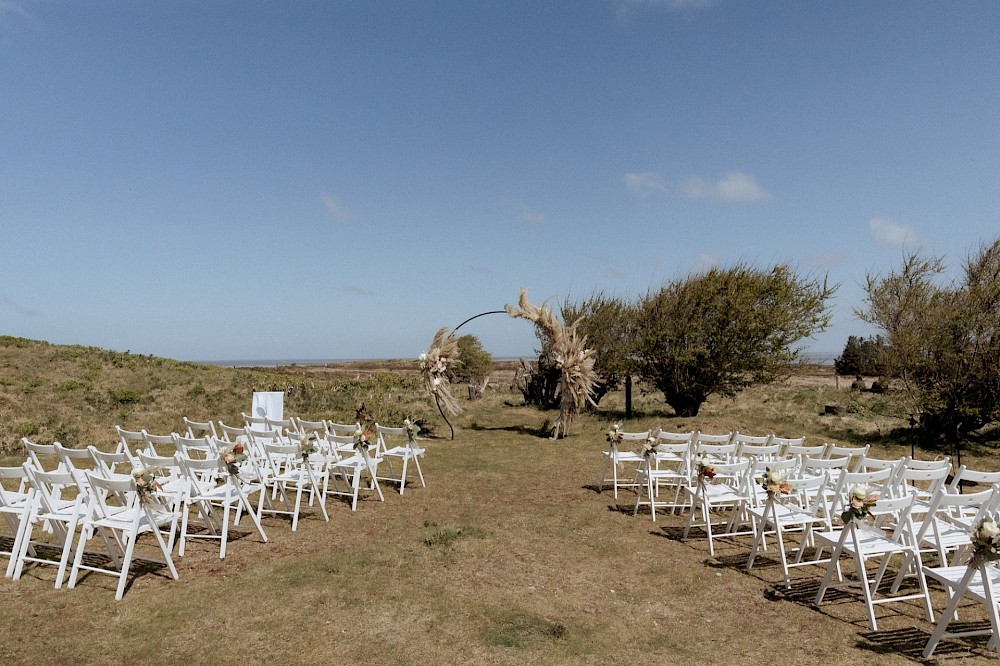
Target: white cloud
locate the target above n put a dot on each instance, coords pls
(626, 6)
(647, 180)
(889, 232)
(7, 7)
(335, 209)
(735, 186)
(531, 216)
(9, 302)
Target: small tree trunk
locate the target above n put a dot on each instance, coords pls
(628, 396)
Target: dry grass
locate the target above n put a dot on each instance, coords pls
(509, 556)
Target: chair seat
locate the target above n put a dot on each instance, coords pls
(624, 456)
(403, 452)
(871, 541)
(950, 577)
(787, 515)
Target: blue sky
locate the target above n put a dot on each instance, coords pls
(250, 180)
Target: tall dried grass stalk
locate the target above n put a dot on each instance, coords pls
(434, 369)
(570, 354)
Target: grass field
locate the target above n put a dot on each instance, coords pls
(508, 556)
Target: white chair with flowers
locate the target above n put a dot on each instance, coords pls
(215, 484)
(618, 456)
(122, 523)
(293, 470)
(405, 450)
(978, 579)
(875, 527)
(360, 460)
(666, 466)
(792, 506)
(718, 487)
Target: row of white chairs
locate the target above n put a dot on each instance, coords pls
(920, 517)
(199, 493)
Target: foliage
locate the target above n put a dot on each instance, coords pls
(944, 340)
(862, 356)
(474, 362)
(609, 326)
(724, 330)
(538, 382)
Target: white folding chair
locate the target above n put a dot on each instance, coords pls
(112, 464)
(863, 542)
(122, 524)
(211, 487)
(855, 453)
(130, 440)
(42, 456)
(756, 447)
(802, 512)
(292, 472)
(49, 508)
(404, 450)
(352, 465)
(159, 445)
(617, 456)
(728, 491)
(949, 519)
(15, 502)
(666, 467)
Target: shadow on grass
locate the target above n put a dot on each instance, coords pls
(910, 642)
(540, 433)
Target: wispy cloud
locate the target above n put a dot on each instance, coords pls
(734, 186)
(524, 212)
(644, 182)
(335, 209)
(11, 8)
(356, 291)
(23, 310)
(889, 232)
(531, 216)
(625, 7)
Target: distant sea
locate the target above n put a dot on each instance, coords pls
(819, 358)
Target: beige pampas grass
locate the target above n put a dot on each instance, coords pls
(570, 355)
(434, 369)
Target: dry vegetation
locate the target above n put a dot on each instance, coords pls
(508, 556)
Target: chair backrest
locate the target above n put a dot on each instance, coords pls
(230, 434)
(813, 466)
(199, 428)
(73, 458)
(342, 428)
(158, 445)
(875, 480)
(664, 437)
(950, 506)
(805, 450)
(37, 453)
(855, 453)
(634, 436)
(129, 440)
(758, 451)
(201, 447)
(49, 486)
(705, 438)
(254, 422)
(945, 462)
(281, 425)
(966, 476)
(930, 479)
(11, 497)
(785, 442)
(318, 427)
(722, 451)
(106, 463)
(756, 440)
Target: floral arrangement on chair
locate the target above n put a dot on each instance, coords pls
(705, 469)
(362, 439)
(232, 456)
(773, 481)
(412, 430)
(615, 434)
(861, 499)
(146, 483)
(649, 446)
(307, 447)
(985, 541)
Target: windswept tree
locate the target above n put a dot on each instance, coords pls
(944, 340)
(721, 331)
(609, 325)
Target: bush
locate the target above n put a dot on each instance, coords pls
(862, 356)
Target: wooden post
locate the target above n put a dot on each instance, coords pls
(628, 396)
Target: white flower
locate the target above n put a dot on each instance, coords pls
(989, 529)
(423, 356)
(859, 492)
(436, 382)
